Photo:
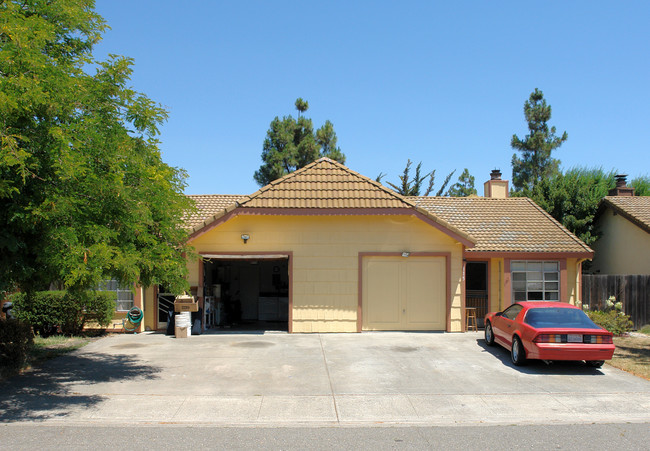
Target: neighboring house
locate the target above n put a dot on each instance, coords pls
(623, 220)
(325, 249)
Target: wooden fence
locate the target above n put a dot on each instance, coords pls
(632, 290)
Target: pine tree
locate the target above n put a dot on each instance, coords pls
(536, 161)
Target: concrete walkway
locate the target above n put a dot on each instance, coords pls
(316, 379)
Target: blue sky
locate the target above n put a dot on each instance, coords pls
(439, 82)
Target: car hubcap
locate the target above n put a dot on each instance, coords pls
(515, 350)
(488, 333)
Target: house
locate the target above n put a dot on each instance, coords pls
(325, 249)
(623, 220)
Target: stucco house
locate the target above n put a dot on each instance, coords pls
(623, 220)
(325, 249)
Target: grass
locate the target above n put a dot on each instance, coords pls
(46, 349)
(633, 353)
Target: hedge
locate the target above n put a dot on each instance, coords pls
(48, 311)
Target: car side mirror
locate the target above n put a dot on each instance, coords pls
(499, 314)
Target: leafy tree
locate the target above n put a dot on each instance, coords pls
(572, 198)
(464, 186)
(536, 161)
(291, 144)
(413, 187)
(84, 193)
(641, 185)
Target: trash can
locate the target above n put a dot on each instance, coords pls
(183, 325)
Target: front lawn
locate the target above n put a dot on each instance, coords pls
(633, 354)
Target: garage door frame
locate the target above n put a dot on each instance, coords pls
(251, 255)
(446, 255)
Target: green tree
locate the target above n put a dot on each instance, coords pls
(572, 198)
(413, 186)
(464, 186)
(536, 161)
(291, 144)
(641, 185)
(85, 195)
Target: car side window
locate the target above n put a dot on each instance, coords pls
(512, 311)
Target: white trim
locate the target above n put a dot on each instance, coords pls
(246, 257)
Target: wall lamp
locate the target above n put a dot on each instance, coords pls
(245, 237)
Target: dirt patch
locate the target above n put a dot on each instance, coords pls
(633, 354)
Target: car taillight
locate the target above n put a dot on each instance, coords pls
(563, 338)
(550, 338)
(604, 339)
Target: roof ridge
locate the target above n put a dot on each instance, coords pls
(559, 225)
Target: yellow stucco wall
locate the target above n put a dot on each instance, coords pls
(326, 259)
(497, 300)
(623, 247)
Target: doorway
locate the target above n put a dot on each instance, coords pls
(246, 293)
(476, 289)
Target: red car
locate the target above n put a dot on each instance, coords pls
(548, 331)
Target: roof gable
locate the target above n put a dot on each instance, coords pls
(322, 186)
(635, 209)
(325, 184)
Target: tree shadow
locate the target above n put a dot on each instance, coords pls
(46, 391)
(557, 367)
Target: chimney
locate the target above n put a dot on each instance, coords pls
(621, 188)
(495, 187)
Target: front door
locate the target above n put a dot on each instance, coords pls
(476, 289)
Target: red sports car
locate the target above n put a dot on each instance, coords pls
(548, 331)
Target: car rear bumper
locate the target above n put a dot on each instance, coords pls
(565, 351)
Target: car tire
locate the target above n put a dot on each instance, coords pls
(595, 363)
(489, 334)
(518, 353)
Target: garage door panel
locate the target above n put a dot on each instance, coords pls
(425, 306)
(404, 294)
(383, 287)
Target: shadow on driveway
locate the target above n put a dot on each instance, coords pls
(47, 391)
(560, 367)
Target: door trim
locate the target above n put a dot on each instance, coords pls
(446, 255)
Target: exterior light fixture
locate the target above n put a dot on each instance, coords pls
(405, 254)
(245, 237)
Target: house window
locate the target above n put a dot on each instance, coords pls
(124, 300)
(535, 281)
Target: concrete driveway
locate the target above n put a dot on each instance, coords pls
(322, 379)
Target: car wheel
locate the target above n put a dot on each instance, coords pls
(489, 334)
(518, 354)
(595, 363)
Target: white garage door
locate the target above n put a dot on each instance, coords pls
(404, 293)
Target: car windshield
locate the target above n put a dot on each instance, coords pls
(559, 317)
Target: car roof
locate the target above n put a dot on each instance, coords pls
(546, 304)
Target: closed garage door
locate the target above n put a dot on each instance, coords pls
(404, 293)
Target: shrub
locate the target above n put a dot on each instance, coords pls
(47, 311)
(16, 339)
(612, 318)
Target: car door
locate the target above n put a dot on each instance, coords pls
(504, 324)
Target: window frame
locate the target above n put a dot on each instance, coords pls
(120, 289)
(545, 282)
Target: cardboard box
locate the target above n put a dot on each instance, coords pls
(181, 332)
(183, 307)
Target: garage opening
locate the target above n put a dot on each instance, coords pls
(246, 292)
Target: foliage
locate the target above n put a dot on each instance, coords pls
(645, 329)
(292, 143)
(572, 198)
(536, 162)
(612, 318)
(464, 187)
(47, 311)
(413, 187)
(16, 339)
(641, 185)
(84, 193)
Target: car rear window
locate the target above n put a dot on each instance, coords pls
(559, 317)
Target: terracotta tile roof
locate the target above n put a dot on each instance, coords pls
(635, 208)
(515, 224)
(325, 184)
(208, 206)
